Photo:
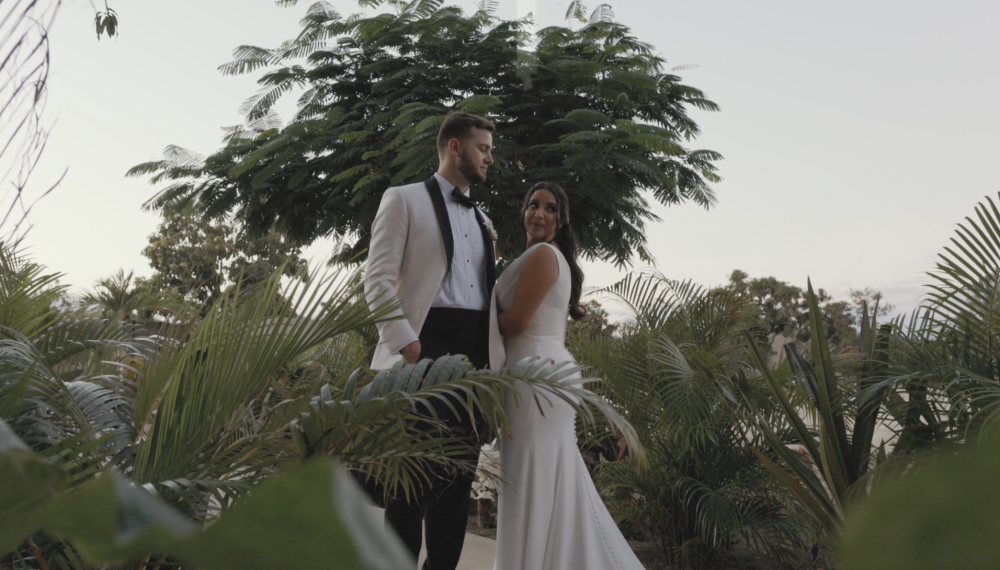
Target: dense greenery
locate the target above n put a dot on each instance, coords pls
(942, 516)
(303, 519)
(931, 380)
(120, 447)
(592, 108)
(827, 471)
(669, 371)
(199, 419)
(739, 453)
(778, 455)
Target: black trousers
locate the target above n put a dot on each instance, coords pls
(443, 507)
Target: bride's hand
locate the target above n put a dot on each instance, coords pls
(622, 449)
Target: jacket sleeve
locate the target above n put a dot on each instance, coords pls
(385, 259)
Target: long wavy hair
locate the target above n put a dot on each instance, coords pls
(565, 240)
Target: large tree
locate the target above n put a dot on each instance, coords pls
(593, 108)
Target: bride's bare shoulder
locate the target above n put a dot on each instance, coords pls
(541, 256)
(537, 272)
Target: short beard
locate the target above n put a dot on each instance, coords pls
(470, 172)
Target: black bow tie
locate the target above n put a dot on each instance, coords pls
(462, 198)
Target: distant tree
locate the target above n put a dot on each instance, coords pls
(779, 303)
(595, 324)
(593, 109)
(199, 259)
(783, 309)
(592, 327)
(124, 298)
(871, 299)
(841, 321)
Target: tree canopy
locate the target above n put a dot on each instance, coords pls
(592, 108)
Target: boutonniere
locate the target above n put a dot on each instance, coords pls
(489, 229)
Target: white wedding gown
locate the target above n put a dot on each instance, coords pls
(549, 514)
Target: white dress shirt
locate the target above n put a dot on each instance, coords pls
(465, 285)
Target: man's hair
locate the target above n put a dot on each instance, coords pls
(459, 125)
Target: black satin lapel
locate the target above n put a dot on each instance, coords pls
(491, 256)
(444, 222)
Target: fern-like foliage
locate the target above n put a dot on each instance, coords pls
(944, 378)
(677, 372)
(202, 414)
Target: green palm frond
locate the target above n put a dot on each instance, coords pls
(370, 423)
(27, 293)
(963, 320)
(839, 452)
(202, 418)
(190, 394)
(69, 337)
(316, 509)
(36, 396)
(650, 296)
(940, 382)
(678, 371)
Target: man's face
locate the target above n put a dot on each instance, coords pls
(476, 155)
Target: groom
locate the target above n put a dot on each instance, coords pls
(433, 250)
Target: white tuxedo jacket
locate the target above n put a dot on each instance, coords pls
(407, 263)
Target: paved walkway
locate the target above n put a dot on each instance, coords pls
(478, 553)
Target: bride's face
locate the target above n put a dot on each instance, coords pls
(541, 219)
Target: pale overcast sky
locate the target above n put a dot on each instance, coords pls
(855, 133)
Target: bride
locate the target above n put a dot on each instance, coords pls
(549, 514)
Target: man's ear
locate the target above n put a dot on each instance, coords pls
(454, 147)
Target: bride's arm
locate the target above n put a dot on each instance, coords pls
(539, 274)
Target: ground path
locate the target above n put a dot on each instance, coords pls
(477, 554)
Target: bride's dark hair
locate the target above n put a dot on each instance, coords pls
(566, 242)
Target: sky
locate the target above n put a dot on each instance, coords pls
(856, 134)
